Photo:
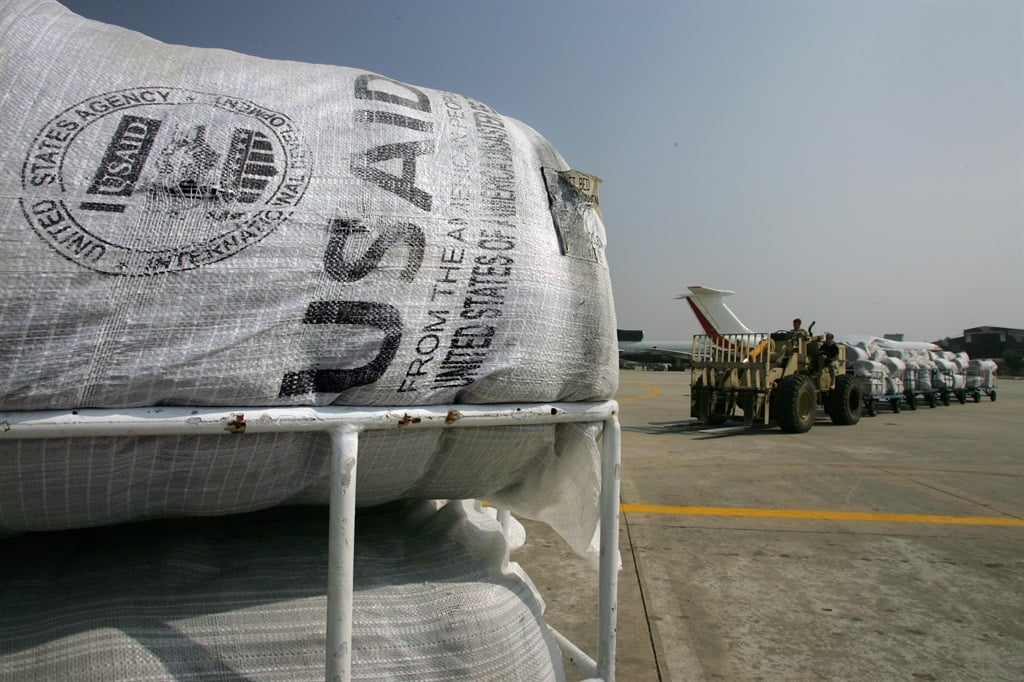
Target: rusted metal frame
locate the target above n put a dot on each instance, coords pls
(344, 424)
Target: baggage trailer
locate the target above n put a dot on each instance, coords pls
(770, 377)
(872, 377)
(917, 381)
(981, 378)
(945, 381)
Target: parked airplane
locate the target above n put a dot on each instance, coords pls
(711, 313)
(633, 347)
(716, 318)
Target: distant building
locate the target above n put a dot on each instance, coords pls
(986, 342)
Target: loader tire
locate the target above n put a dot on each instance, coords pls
(845, 401)
(796, 403)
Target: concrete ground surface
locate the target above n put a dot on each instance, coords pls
(892, 549)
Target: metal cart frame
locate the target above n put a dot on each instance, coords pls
(345, 424)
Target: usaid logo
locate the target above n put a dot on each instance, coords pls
(152, 180)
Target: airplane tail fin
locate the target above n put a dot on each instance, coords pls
(713, 314)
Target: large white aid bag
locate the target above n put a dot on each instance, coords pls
(435, 598)
(185, 226)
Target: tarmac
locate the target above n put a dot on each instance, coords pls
(892, 549)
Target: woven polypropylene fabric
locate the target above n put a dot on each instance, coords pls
(199, 227)
(244, 598)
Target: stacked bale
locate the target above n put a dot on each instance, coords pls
(181, 226)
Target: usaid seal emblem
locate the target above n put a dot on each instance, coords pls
(151, 180)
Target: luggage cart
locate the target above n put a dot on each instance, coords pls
(345, 424)
(979, 382)
(917, 382)
(874, 387)
(910, 387)
(944, 383)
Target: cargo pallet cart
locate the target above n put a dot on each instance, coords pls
(914, 382)
(874, 390)
(979, 383)
(345, 424)
(944, 383)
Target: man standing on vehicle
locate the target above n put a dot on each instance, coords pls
(799, 332)
(829, 352)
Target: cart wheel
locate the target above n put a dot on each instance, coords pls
(961, 396)
(945, 398)
(992, 395)
(932, 400)
(895, 402)
(977, 396)
(912, 401)
(869, 405)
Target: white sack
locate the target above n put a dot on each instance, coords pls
(943, 378)
(231, 598)
(855, 354)
(200, 227)
(872, 376)
(894, 364)
(869, 367)
(195, 226)
(981, 374)
(923, 374)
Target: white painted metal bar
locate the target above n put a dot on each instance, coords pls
(344, 424)
(608, 574)
(576, 656)
(341, 554)
(164, 421)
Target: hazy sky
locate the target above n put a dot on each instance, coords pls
(856, 163)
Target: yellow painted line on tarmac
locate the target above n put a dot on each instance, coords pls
(826, 515)
(652, 392)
